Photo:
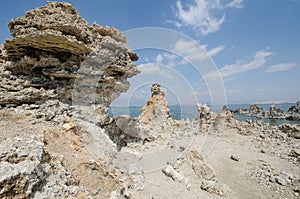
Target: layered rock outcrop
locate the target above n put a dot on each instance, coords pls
(48, 48)
(55, 62)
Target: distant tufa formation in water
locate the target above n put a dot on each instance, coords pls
(293, 112)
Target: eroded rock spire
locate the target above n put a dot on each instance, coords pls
(155, 110)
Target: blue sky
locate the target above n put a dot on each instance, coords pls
(253, 46)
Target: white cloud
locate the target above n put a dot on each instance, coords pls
(159, 58)
(148, 68)
(212, 76)
(192, 51)
(280, 67)
(258, 60)
(215, 50)
(175, 23)
(235, 4)
(184, 51)
(205, 16)
(228, 71)
(171, 59)
(154, 69)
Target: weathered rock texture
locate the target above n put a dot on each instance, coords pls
(204, 113)
(54, 62)
(49, 46)
(21, 167)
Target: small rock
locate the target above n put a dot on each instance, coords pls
(262, 151)
(94, 166)
(280, 181)
(170, 172)
(272, 179)
(296, 189)
(68, 126)
(206, 185)
(235, 158)
(262, 136)
(290, 177)
(295, 153)
(181, 148)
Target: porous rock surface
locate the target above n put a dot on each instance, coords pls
(53, 68)
(21, 167)
(48, 46)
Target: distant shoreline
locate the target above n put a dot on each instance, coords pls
(231, 104)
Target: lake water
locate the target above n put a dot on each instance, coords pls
(190, 112)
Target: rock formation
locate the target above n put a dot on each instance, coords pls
(48, 48)
(253, 110)
(155, 110)
(291, 130)
(275, 113)
(294, 112)
(55, 60)
(204, 114)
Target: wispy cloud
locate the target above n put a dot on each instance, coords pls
(240, 66)
(235, 4)
(280, 67)
(192, 51)
(205, 16)
(259, 59)
(159, 58)
(154, 69)
(184, 51)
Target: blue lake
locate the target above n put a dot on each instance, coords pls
(190, 112)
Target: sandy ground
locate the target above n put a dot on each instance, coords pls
(245, 178)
